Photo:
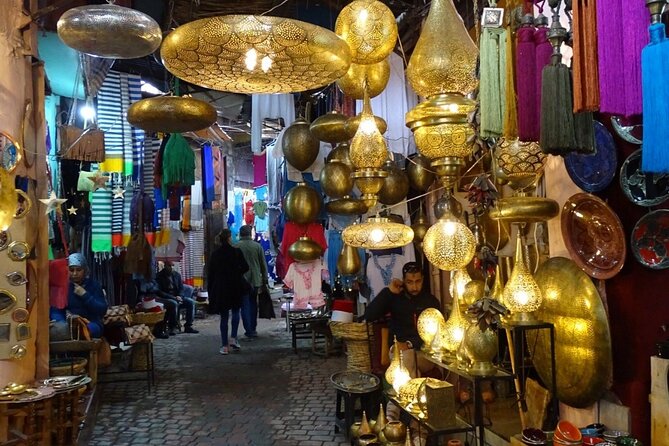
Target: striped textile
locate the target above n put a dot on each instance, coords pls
(137, 134)
(95, 69)
(101, 221)
(151, 147)
(117, 213)
(193, 258)
(127, 224)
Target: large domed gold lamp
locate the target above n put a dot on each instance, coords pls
(369, 28)
(377, 233)
(442, 69)
(171, 114)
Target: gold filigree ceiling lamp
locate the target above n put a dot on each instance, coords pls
(109, 31)
(442, 68)
(377, 233)
(255, 54)
(370, 30)
(171, 114)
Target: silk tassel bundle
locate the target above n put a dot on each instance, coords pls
(493, 81)
(510, 126)
(526, 82)
(655, 72)
(584, 62)
(543, 55)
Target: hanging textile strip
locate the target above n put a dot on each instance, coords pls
(493, 81)
(117, 212)
(208, 178)
(526, 84)
(151, 147)
(133, 160)
(621, 35)
(510, 127)
(585, 60)
(101, 221)
(542, 59)
(335, 245)
(127, 224)
(110, 120)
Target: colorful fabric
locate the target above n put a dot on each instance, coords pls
(305, 281)
(117, 213)
(293, 231)
(101, 221)
(193, 258)
(208, 178)
(178, 163)
(127, 222)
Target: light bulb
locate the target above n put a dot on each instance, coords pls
(368, 125)
(87, 112)
(376, 235)
(251, 59)
(362, 17)
(459, 280)
(266, 64)
(400, 377)
(453, 108)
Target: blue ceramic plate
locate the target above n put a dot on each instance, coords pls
(593, 173)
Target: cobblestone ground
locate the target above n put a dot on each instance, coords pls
(264, 395)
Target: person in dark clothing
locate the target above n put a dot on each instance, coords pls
(172, 304)
(404, 300)
(169, 282)
(226, 287)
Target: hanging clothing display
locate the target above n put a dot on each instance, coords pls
(305, 281)
(101, 221)
(196, 207)
(382, 269)
(208, 176)
(259, 169)
(173, 248)
(293, 231)
(192, 260)
(271, 106)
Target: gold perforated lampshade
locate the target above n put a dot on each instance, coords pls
(330, 127)
(368, 148)
(369, 28)
(448, 244)
(454, 331)
(377, 233)
(428, 324)
(519, 163)
(522, 295)
(171, 114)
(255, 54)
(375, 75)
(444, 59)
(336, 179)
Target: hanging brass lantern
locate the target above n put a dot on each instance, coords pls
(368, 148)
(369, 182)
(369, 28)
(377, 233)
(109, 31)
(171, 114)
(449, 244)
(300, 147)
(395, 186)
(302, 204)
(349, 262)
(375, 76)
(346, 206)
(444, 58)
(331, 127)
(473, 291)
(420, 175)
(305, 250)
(353, 123)
(521, 164)
(336, 179)
(341, 154)
(524, 209)
(420, 226)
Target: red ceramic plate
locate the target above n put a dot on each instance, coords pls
(594, 236)
(650, 240)
(592, 440)
(568, 431)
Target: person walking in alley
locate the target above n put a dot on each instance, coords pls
(256, 276)
(226, 287)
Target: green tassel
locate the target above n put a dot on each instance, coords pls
(584, 133)
(493, 81)
(557, 117)
(178, 163)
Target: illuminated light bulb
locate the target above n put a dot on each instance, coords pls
(266, 64)
(448, 244)
(87, 113)
(376, 235)
(521, 294)
(453, 108)
(401, 376)
(362, 17)
(459, 279)
(251, 59)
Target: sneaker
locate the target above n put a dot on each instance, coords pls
(190, 330)
(234, 345)
(223, 350)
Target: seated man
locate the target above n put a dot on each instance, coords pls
(85, 298)
(172, 304)
(404, 300)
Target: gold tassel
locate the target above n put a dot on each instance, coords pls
(510, 126)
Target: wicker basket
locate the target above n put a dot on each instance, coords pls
(67, 366)
(358, 337)
(148, 318)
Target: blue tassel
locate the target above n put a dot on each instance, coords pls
(654, 76)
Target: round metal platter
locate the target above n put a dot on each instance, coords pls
(650, 240)
(583, 360)
(644, 189)
(594, 173)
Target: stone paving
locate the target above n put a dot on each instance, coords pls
(264, 395)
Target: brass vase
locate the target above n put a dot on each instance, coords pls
(395, 186)
(336, 179)
(302, 204)
(300, 147)
(420, 174)
(395, 432)
(481, 348)
(349, 262)
(381, 422)
(367, 439)
(365, 428)
(331, 127)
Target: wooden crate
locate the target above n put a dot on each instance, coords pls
(659, 420)
(659, 376)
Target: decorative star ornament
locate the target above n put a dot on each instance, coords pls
(99, 181)
(72, 210)
(53, 203)
(118, 192)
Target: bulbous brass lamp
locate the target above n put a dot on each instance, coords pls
(346, 206)
(340, 153)
(369, 28)
(302, 204)
(336, 179)
(395, 186)
(420, 226)
(428, 324)
(522, 296)
(300, 147)
(459, 279)
(330, 127)
(377, 233)
(305, 249)
(420, 174)
(397, 374)
(255, 54)
(368, 148)
(171, 114)
(375, 76)
(349, 262)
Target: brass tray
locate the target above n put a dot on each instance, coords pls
(572, 304)
(355, 382)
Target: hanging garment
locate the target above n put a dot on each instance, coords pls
(305, 281)
(272, 106)
(259, 169)
(173, 249)
(208, 177)
(101, 221)
(196, 208)
(117, 212)
(381, 270)
(193, 259)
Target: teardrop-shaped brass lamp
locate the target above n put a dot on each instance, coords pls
(300, 147)
(349, 262)
(109, 31)
(444, 59)
(420, 226)
(305, 249)
(369, 28)
(171, 114)
(375, 75)
(302, 204)
(336, 179)
(522, 294)
(330, 127)
(454, 330)
(420, 174)
(368, 148)
(353, 123)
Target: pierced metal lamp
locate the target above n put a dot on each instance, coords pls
(377, 233)
(521, 295)
(428, 324)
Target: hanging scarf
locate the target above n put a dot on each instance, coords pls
(387, 272)
(178, 163)
(208, 179)
(542, 59)
(526, 83)
(584, 62)
(510, 127)
(101, 221)
(117, 212)
(493, 81)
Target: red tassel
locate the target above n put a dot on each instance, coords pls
(526, 89)
(584, 63)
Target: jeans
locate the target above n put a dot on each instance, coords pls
(250, 312)
(172, 307)
(224, 326)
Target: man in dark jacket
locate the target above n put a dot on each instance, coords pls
(169, 282)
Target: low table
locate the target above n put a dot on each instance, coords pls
(350, 387)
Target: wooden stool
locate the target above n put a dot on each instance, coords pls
(322, 341)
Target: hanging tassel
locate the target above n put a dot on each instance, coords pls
(584, 62)
(493, 72)
(557, 117)
(544, 50)
(584, 133)
(621, 36)
(655, 69)
(526, 81)
(510, 127)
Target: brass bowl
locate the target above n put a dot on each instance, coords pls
(331, 127)
(171, 114)
(346, 206)
(376, 75)
(395, 432)
(524, 209)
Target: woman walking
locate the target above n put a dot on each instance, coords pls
(226, 287)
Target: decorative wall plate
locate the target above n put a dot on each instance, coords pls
(644, 189)
(582, 336)
(594, 173)
(593, 235)
(650, 240)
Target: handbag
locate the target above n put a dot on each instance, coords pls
(117, 313)
(265, 305)
(138, 333)
(82, 145)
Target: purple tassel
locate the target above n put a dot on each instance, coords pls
(526, 80)
(621, 34)
(543, 58)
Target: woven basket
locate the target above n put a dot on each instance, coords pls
(67, 366)
(358, 337)
(148, 318)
